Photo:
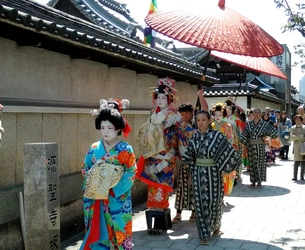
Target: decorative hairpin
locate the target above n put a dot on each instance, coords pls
(109, 104)
(170, 89)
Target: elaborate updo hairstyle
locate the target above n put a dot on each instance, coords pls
(165, 86)
(162, 89)
(111, 111)
(229, 103)
(219, 107)
(105, 115)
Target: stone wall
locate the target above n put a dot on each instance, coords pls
(35, 75)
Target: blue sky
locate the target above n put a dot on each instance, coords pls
(262, 12)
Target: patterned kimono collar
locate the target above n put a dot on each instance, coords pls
(158, 117)
(206, 132)
(231, 117)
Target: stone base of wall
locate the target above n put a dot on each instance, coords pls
(71, 219)
(10, 236)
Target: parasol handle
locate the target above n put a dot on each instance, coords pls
(200, 86)
(241, 81)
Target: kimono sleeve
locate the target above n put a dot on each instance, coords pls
(226, 157)
(128, 177)
(229, 134)
(272, 130)
(189, 156)
(244, 138)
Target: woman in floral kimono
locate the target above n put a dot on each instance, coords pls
(158, 144)
(237, 125)
(221, 125)
(108, 222)
(226, 129)
(209, 154)
(253, 137)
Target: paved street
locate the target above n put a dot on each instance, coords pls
(270, 218)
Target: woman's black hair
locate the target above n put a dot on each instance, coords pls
(263, 114)
(232, 105)
(116, 119)
(160, 90)
(283, 120)
(186, 107)
(205, 113)
(218, 108)
(243, 117)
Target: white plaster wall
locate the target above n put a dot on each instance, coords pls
(258, 103)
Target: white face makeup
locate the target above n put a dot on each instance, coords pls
(229, 110)
(108, 131)
(218, 116)
(162, 101)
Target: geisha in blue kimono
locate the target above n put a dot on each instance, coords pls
(108, 221)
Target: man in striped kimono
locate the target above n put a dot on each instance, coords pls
(253, 137)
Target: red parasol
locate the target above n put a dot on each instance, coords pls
(260, 64)
(218, 28)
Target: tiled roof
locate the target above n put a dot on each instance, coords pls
(51, 22)
(102, 15)
(114, 16)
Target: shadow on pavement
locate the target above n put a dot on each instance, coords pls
(290, 243)
(243, 190)
(187, 238)
(227, 207)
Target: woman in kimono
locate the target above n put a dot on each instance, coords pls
(297, 135)
(209, 154)
(283, 126)
(253, 137)
(158, 143)
(236, 124)
(226, 129)
(221, 125)
(108, 222)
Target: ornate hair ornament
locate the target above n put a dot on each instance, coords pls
(219, 106)
(116, 106)
(213, 107)
(168, 90)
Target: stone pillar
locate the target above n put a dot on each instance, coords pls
(41, 196)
